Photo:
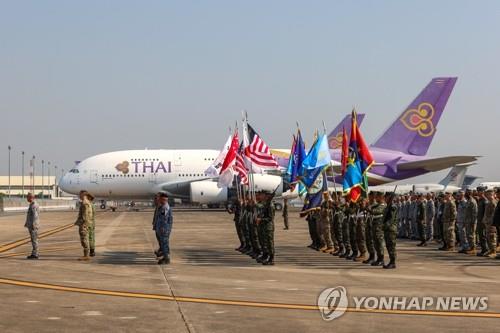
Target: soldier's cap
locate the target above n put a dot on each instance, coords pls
(162, 194)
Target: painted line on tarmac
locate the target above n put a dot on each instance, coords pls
(26, 240)
(59, 249)
(211, 301)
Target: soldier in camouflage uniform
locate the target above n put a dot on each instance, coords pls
(361, 231)
(491, 231)
(449, 218)
(245, 227)
(84, 222)
(377, 212)
(254, 233)
(352, 222)
(481, 232)
(420, 218)
(344, 217)
(370, 247)
(337, 219)
(430, 212)
(390, 230)
(470, 222)
(460, 225)
(265, 221)
(325, 215)
(235, 209)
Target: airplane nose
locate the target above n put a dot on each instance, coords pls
(64, 183)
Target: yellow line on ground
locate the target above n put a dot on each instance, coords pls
(238, 303)
(13, 245)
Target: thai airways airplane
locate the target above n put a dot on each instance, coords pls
(401, 151)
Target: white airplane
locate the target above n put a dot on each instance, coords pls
(139, 174)
(453, 182)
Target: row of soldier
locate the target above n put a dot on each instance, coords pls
(254, 223)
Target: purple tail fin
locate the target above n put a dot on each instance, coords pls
(335, 136)
(413, 131)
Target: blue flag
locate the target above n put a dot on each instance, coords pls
(299, 154)
(314, 196)
(319, 155)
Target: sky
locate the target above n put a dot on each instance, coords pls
(78, 78)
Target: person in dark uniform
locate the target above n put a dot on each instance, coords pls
(285, 214)
(390, 230)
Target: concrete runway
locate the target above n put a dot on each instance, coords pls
(209, 287)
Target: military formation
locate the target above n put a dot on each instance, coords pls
(466, 222)
(254, 223)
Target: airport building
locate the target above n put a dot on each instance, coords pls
(41, 186)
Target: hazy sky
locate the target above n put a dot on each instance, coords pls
(81, 78)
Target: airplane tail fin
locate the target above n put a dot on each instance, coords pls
(414, 129)
(468, 181)
(335, 136)
(456, 176)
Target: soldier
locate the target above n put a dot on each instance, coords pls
(390, 230)
(156, 203)
(265, 220)
(400, 204)
(438, 232)
(407, 218)
(377, 212)
(369, 229)
(325, 214)
(352, 222)
(361, 231)
(470, 222)
(491, 231)
(481, 232)
(413, 217)
(164, 222)
(344, 217)
(244, 220)
(235, 209)
(92, 228)
(461, 208)
(430, 212)
(84, 221)
(32, 224)
(420, 218)
(338, 217)
(254, 234)
(285, 214)
(449, 219)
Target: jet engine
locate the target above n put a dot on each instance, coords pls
(207, 192)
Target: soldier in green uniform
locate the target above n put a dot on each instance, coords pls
(265, 221)
(470, 221)
(92, 227)
(449, 218)
(491, 232)
(361, 231)
(254, 234)
(325, 215)
(421, 219)
(369, 229)
(337, 219)
(390, 229)
(84, 222)
(377, 212)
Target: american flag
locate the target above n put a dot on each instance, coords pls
(258, 152)
(240, 167)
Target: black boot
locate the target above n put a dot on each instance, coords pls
(353, 255)
(260, 259)
(370, 259)
(269, 260)
(92, 252)
(390, 265)
(345, 253)
(378, 262)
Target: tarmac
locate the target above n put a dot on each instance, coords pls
(209, 287)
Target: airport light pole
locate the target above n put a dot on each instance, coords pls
(48, 180)
(22, 172)
(55, 182)
(43, 183)
(10, 148)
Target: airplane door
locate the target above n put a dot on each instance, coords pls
(152, 178)
(93, 176)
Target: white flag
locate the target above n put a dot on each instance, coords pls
(214, 169)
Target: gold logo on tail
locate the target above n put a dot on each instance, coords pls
(122, 167)
(335, 142)
(420, 119)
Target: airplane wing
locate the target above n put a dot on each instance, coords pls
(181, 189)
(436, 164)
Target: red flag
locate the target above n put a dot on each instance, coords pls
(345, 151)
(231, 153)
(364, 154)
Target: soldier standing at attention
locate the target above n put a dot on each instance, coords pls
(491, 231)
(84, 221)
(235, 209)
(481, 232)
(461, 207)
(337, 225)
(32, 224)
(325, 215)
(420, 218)
(430, 211)
(377, 225)
(345, 210)
(164, 221)
(449, 219)
(156, 203)
(285, 214)
(265, 219)
(361, 230)
(470, 222)
(352, 221)
(92, 227)
(370, 247)
(390, 230)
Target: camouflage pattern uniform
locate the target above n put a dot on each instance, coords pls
(84, 221)
(481, 231)
(337, 218)
(254, 233)
(32, 224)
(470, 223)
(420, 218)
(265, 215)
(353, 238)
(378, 231)
(92, 232)
(245, 228)
(370, 246)
(491, 231)
(430, 212)
(344, 217)
(325, 214)
(361, 235)
(390, 233)
(449, 218)
(460, 226)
